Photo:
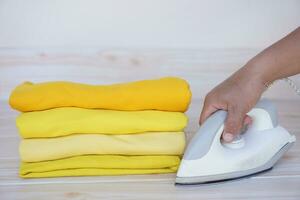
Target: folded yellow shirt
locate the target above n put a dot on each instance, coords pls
(169, 94)
(66, 121)
(92, 165)
(162, 143)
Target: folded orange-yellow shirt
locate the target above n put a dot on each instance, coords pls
(168, 94)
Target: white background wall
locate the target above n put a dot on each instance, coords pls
(204, 39)
(146, 23)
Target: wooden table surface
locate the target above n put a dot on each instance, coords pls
(283, 182)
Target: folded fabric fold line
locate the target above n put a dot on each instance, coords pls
(69, 120)
(153, 143)
(168, 94)
(90, 165)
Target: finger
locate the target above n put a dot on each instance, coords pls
(247, 120)
(207, 110)
(233, 123)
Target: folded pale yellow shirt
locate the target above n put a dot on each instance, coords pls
(160, 143)
(93, 165)
(169, 94)
(66, 121)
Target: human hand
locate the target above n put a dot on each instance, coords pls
(237, 95)
(240, 92)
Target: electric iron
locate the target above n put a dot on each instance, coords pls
(209, 159)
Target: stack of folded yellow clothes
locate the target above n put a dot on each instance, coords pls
(73, 129)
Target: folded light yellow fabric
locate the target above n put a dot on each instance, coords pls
(92, 165)
(169, 94)
(67, 121)
(162, 143)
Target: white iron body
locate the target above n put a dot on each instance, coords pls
(208, 159)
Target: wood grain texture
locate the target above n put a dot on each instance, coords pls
(203, 70)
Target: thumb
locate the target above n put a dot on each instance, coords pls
(233, 124)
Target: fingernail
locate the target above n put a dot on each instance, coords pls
(228, 137)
